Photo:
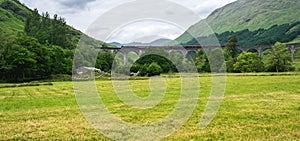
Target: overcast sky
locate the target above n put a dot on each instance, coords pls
(81, 13)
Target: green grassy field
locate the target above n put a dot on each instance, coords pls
(254, 108)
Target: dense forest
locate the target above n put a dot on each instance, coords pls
(45, 47)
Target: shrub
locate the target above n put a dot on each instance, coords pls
(154, 69)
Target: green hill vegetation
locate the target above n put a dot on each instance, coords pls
(35, 46)
(286, 33)
(12, 16)
(241, 15)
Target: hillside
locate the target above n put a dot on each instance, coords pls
(286, 33)
(36, 46)
(13, 16)
(247, 14)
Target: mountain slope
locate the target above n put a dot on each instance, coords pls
(247, 14)
(13, 15)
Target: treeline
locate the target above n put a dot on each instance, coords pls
(45, 48)
(49, 31)
(277, 33)
(277, 59)
(23, 58)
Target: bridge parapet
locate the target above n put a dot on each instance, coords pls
(140, 50)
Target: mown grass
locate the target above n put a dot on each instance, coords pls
(254, 108)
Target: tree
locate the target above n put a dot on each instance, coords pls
(143, 70)
(248, 62)
(47, 30)
(154, 69)
(177, 61)
(278, 59)
(60, 63)
(32, 23)
(20, 62)
(201, 61)
(23, 58)
(104, 61)
(216, 60)
(41, 54)
(157, 55)
(231, 47)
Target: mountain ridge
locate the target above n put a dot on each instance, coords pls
(246, 14)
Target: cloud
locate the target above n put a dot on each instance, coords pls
(141, 31)
(75, 3)
(81, 13)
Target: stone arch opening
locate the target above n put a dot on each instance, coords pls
(120, 58)
(132, 57)
(253, 50)
(177, 52)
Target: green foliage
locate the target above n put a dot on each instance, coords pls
(47, 49)
(158, 56)
(143, 70)
(278, 59)
(23, 58)
(229, 64)
(48, 31)
(248, 62)
(162, 62)
(201, 62)
(231, 46)
(105, 61)
(177, 59)
(62, 58)
(216, 60)
(245, 62)
(154, 69)
(16, 7)
(121, 69)
(280, 33)
(12, 16)
(296, 40)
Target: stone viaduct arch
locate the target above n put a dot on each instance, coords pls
(140, 50)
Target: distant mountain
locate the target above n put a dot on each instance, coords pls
(246, 14)
(136, 44)
(158, 42)
(116, 44)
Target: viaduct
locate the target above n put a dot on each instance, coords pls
(139, 50)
